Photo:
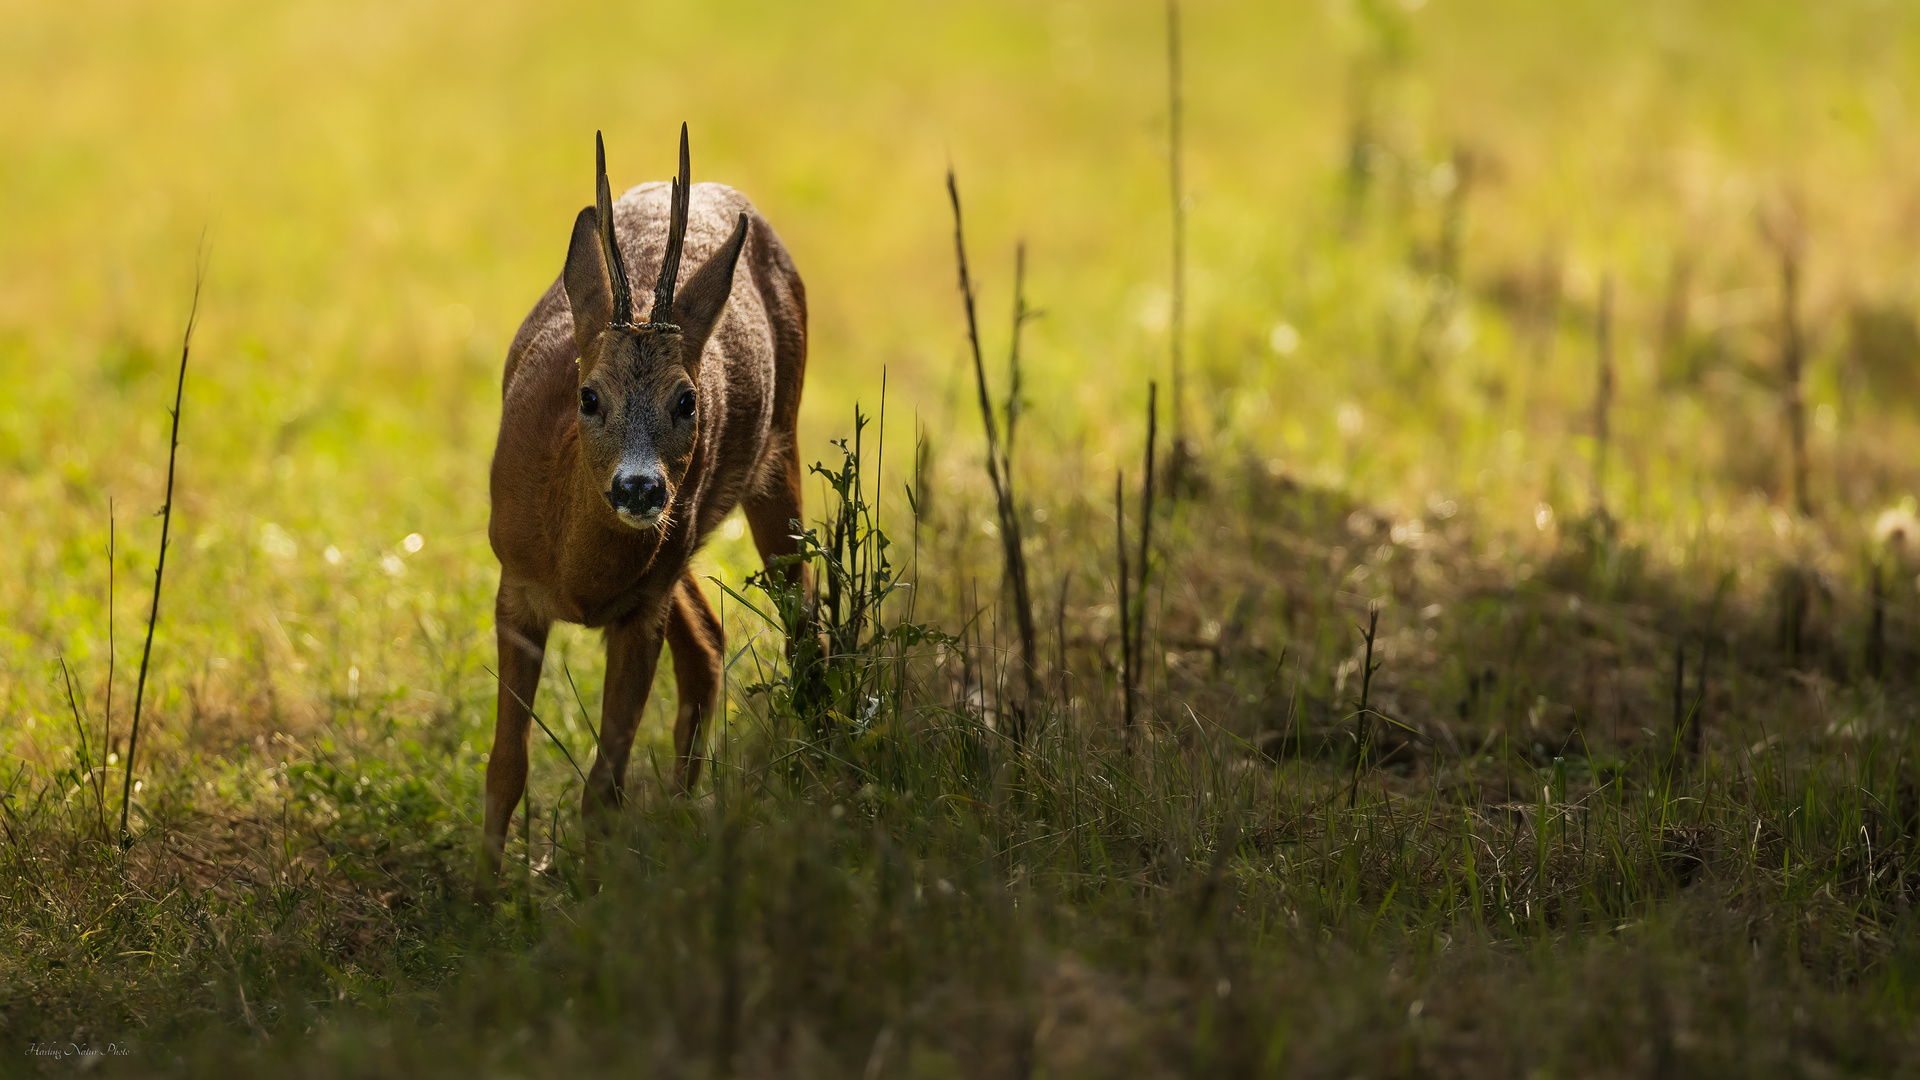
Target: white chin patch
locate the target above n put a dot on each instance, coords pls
(641, 521)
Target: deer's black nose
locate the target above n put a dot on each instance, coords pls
(637, 493)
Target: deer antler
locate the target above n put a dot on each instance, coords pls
(609, 247)
(662, 315)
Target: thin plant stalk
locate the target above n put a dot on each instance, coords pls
(1126, 609)
(999, 466)
(869, 551)
(106, 720)
(86, 755)
(1363, 718)
(1603, 394)
(592, 729)
(1139, 617)
(160, 564)
(1021, 313)
(564, 752)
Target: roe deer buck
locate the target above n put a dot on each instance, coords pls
(622, 444)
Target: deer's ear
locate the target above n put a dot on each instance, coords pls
(589, 292)
(697, 306)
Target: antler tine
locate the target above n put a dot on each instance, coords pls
(676, 237)
(609, 245)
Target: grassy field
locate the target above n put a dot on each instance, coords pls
(1628, 792)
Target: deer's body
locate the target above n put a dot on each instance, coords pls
(564, 555)
(621, 446)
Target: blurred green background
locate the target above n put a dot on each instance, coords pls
(384, 189)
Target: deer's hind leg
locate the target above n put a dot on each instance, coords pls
(773, 510)
(698, 644)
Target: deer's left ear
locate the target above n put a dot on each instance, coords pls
(698, 305)
(589, 292)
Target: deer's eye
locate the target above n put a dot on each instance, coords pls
(589, 401)
(683, 406)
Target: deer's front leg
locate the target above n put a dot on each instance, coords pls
(633, 651)
(523, 645)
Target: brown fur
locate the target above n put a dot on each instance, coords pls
(564, 553)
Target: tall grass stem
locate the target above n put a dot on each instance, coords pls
(999, 464)
(1139, 617)
(1603, 394)
(166, 527)
(1125, 607)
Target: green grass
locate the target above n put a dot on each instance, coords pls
(1533, 874)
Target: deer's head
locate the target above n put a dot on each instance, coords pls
(639, 382)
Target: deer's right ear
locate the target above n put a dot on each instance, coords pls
(589, 292)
